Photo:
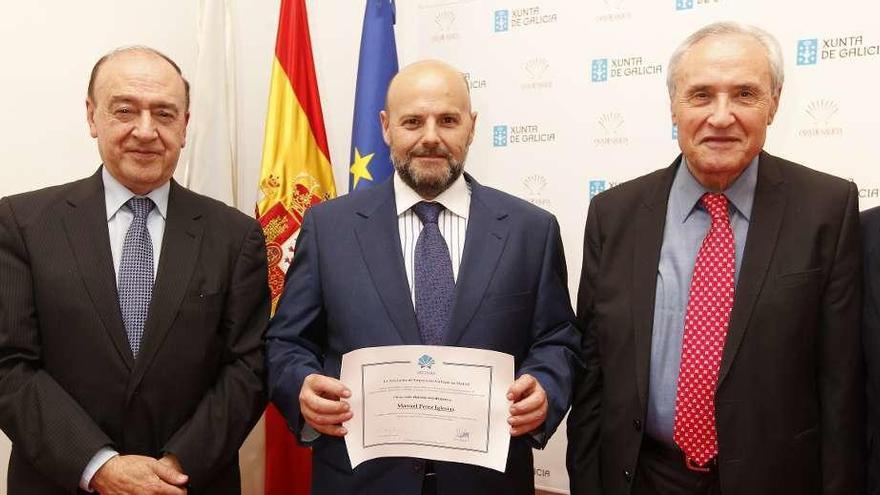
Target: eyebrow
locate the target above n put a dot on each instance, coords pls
(708, 87)
(422, 115)
(131, 99)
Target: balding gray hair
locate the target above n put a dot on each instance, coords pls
(134, 49)
(767, 40)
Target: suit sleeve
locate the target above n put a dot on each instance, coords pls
(553, 357)
(871, 341)
(295, 341)
(841, 391)
(582, 457)
(43, 421)
(210, 439)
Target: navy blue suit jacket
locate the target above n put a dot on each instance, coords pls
(347, 289)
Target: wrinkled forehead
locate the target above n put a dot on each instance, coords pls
(732, 55)
(141, 73)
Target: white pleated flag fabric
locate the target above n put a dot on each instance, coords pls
(209, 161)
(209, 164)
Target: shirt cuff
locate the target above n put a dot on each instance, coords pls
(98, 460)
(309, 434)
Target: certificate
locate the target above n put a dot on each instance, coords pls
(433, 402)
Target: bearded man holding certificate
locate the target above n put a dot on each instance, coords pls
(430, 257)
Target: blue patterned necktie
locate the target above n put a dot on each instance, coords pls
(136, 273)
(434, 281)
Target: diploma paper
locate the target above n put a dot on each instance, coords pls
(433, 402)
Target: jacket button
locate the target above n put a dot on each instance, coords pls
(627, 475)
(418, 466)
(637, 425)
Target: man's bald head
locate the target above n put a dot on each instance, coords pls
(429, 68)
(428, 125)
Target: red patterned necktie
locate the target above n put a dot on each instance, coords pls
(705, 329)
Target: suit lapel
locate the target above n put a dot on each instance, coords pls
(379, 241)
(180, 249)
(649, 224)
(484, 242)
(85, 222)
(766, 220)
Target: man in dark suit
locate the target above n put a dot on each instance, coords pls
(108, 381)
(357, 280)
(720, 303)
(870, 220)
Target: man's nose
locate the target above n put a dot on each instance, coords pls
(430, 136)
(144, 126)
(722, 113)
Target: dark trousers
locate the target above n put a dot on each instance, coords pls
(429, 486)
(661, 471)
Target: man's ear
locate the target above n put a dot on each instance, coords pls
(90, 117)
(473, 127)
(185, 125)
(384, 120)
(774, 106)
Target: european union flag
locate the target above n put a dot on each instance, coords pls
(370, 160)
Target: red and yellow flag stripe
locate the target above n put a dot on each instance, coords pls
(296, 171)
(295, 174)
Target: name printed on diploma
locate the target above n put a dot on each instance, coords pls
(432, 402)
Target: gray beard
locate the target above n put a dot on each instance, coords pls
(428, 188)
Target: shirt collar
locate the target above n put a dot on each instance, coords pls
(116, 195)
(456, 198)
(740, 194)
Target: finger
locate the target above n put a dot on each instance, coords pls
(319, 405)
(524, 419)
(534, 400)
(327, 387)
(525, 429)
(332, 430)
(520, 386)
(168, 474)
(335, 419)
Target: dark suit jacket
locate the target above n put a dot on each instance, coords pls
(68, 382)
(789, 398)
(871, 340)
(347, 289)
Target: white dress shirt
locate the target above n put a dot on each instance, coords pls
(456, 200)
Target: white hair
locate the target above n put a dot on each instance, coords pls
(767, 40)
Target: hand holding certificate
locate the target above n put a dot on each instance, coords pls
(433, 402)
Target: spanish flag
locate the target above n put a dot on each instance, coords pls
(296, 174)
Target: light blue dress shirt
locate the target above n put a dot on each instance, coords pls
(687, 223)
(119, 219)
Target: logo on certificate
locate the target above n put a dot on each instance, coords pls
(425, 362)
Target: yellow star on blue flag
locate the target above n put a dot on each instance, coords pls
(377, 64)
(360, 169)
